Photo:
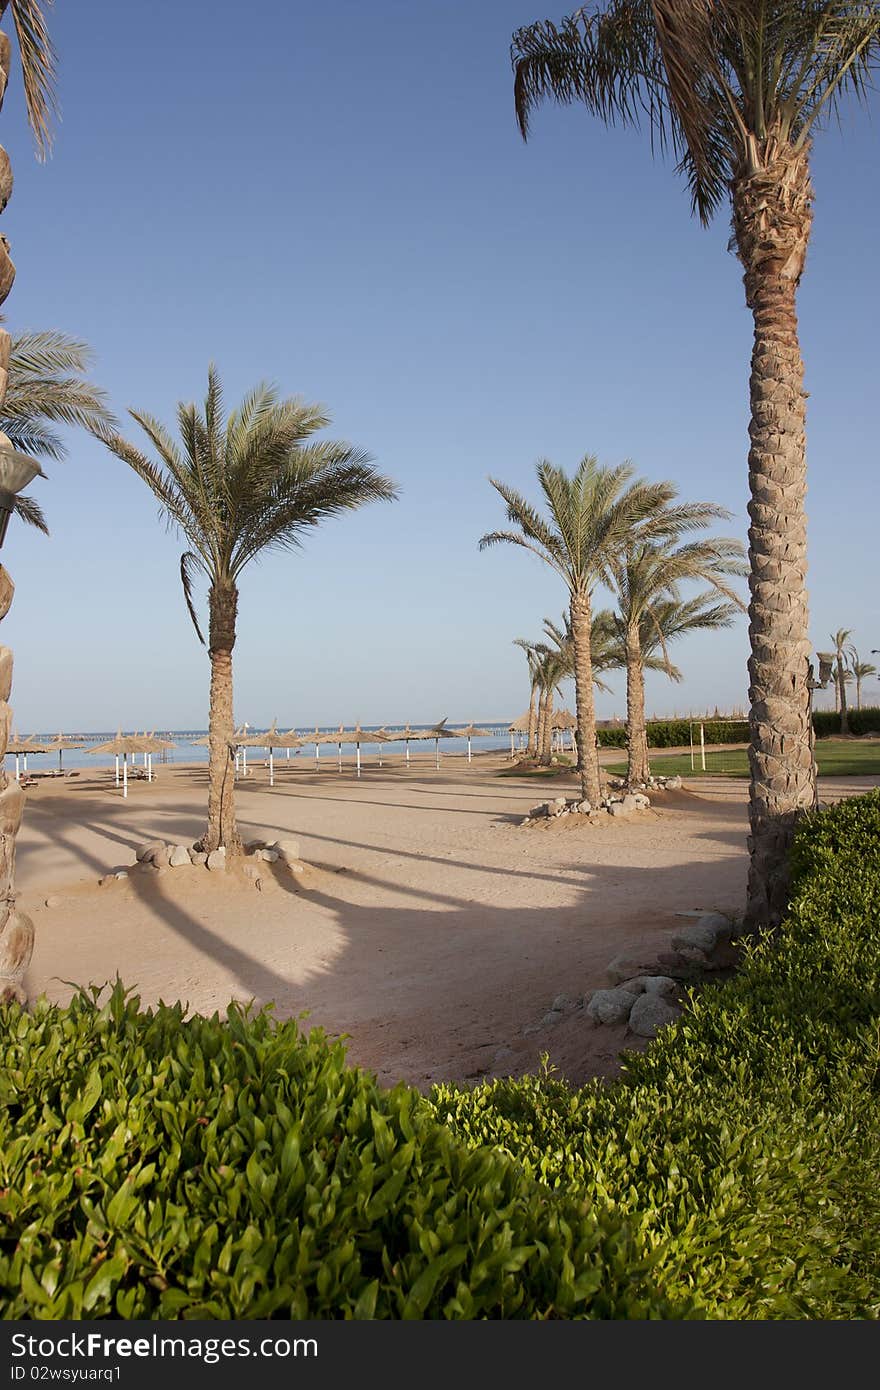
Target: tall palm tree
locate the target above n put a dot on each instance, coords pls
(603, 656)
(842, 653)
(664, 622)
(592, 515)
(47, 387)
(861, 670)
(237, 488)
(647, 572)
(38, 71)
(738, 88)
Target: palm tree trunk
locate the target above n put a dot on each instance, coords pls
(222, 829)
(532, 744)
(636, 733)
(547, 742)
(858, 693)
(543, 722)
(588, 758)
(844, 712)
(772, 217)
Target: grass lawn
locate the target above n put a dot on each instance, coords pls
(836, 757)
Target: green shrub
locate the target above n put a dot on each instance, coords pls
(861, 721)
(157, 1166)
(676, 733)
(744, 1145)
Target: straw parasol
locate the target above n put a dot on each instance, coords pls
(564, 719)
(473, 732)
(65, 742)
(406, 736)
(151, 744)
(21, 747)
(317, 738)
(519, 726)
(268, 740)
(436, 732)
(290, 740)
(357, 736)
(121, 746)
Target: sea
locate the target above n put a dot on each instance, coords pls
(187, 750)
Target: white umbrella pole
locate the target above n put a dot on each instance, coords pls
(244, 762)
(60, 767)
(512, 745)
(437, 753)
(358, 758)
(25, 764)
(125, 774)
(17, 774)
(469, 747)
(288, 755)
(339, 757)
(117, 769)
(271, 769)
(148, 759)
(407, 752)
(318, 757)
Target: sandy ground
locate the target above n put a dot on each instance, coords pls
(427, 926)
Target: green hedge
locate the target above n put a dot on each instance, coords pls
(744, 1145)
(158, 1166)
(676, 733)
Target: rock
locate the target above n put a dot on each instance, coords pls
(271, 856)
(287, 849)
(583, 808)
(252, 846)
(617, 808)
(635, 986)
(664, 985)
(673, 784)
(526, 820)
(537, 812)
(54, 901)
(550, 1018)
(625, 967)
(563, 1002)
(198, 856)
(650, 1013)
(217, 858)
(723, 927)
(159, 858)
(556, 806)
(702, 935)
(179, 856)
(144, 853)
(642, 801)
(122, 873)
(611, 1005)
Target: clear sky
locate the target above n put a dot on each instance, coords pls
(334, 196)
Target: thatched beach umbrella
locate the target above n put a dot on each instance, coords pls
(406, 736)
(21, 747)
(268, 740)
(150, 744)
(121, 746)
(473, 732)
(317, 738)
(65, 742)
(564, 719)
(519, 726)
(357, 736)
(290, 740)
(436, 732)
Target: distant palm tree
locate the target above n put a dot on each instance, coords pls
(603, 656)
(533, 664)
(648, 572)
(861, 670)
(47, 387)
(842, 652)
(664, 622)
(238, 488)
(737, 89)
(591, 516)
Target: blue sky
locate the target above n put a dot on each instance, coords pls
(335, 197)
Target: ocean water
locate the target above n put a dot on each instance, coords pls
(185, 749)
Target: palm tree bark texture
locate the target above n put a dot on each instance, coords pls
(638, 768)
(588, 759)
(772, 216)
(222, 829)
(16, 929)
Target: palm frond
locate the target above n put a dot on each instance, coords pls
(189, 563)
(29, 511)
(38, 69)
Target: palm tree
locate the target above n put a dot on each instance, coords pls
(861, 670)
(842, 653)
(38, 71)
(533, 664)
(665, 621)
(592, 515)
(236, 489)
(647, 572)
(737, 89)
(47, 387)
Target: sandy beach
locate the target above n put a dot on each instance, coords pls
(427, 925)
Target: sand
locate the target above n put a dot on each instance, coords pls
(427, 926)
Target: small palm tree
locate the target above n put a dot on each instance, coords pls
(237, 488)
(738, 88)
(47, 387)
(648, 572)
(592, 516)
(664, 622)
(843, 651)
(861, 670)
(533, 664)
